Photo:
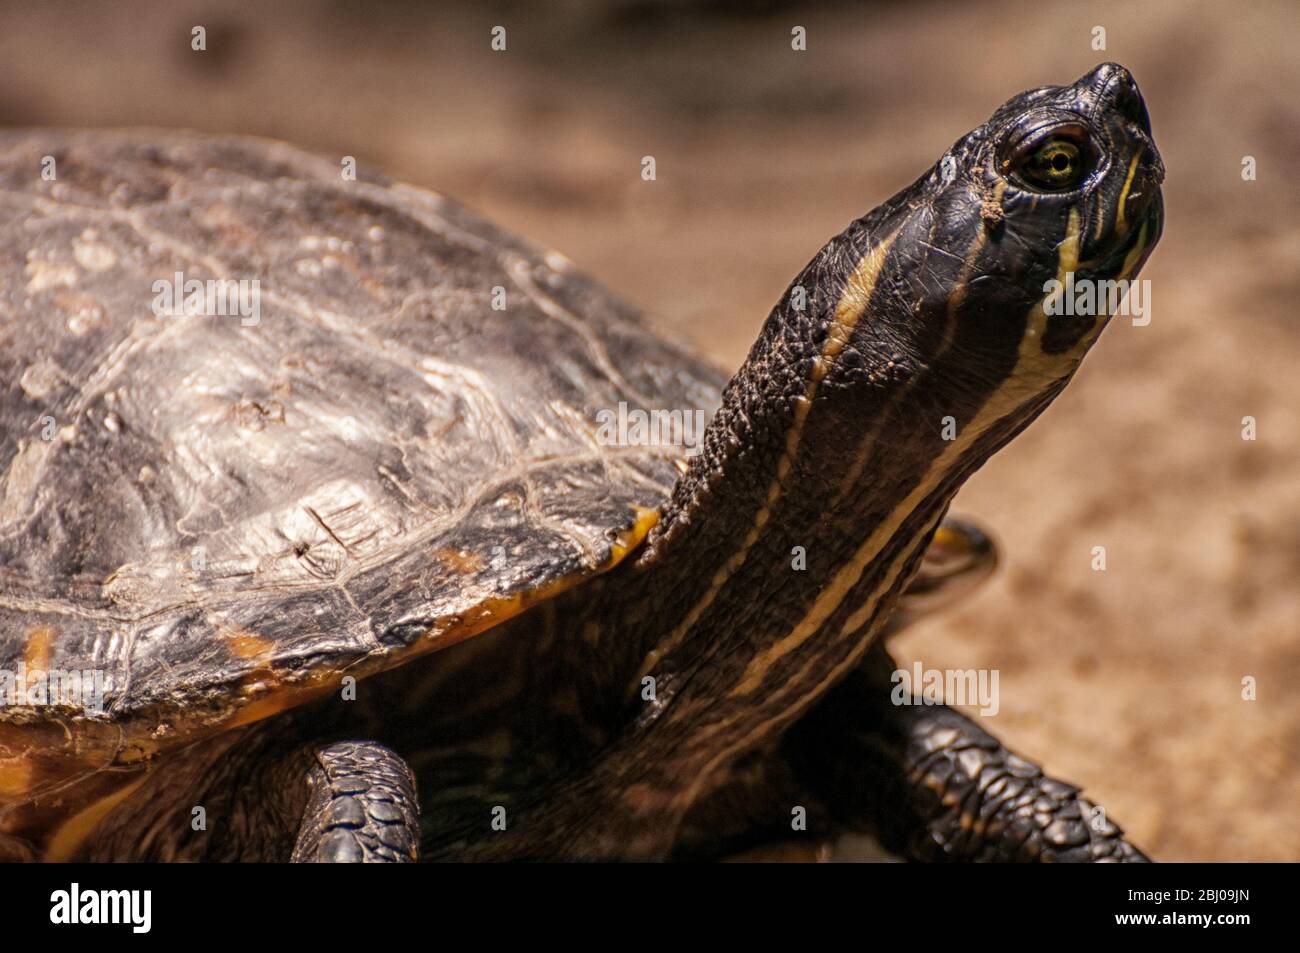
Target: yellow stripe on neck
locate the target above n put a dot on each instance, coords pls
(955, 300)
(1033, 370)
(849, 310)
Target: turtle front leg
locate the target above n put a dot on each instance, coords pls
(361, 807)
(931, 785)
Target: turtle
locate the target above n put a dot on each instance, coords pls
(339, 524)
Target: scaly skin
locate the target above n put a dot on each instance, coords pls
(926, 781)
(362, 807)
(931, 785)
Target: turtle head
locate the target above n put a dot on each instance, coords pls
(1060, 186)
(966, 302)
(1078, 156)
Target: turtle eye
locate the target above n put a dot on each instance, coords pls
(1056, 164)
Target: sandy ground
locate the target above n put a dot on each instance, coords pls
(1127, 681)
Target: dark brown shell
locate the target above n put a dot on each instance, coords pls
(220, 515)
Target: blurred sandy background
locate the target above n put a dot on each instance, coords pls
(1128, 681)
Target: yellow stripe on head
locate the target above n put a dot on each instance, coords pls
(1123, 193)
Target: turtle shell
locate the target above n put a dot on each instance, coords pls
(224, 503)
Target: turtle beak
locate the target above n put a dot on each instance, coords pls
(1114, 89)
(1110, 93)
